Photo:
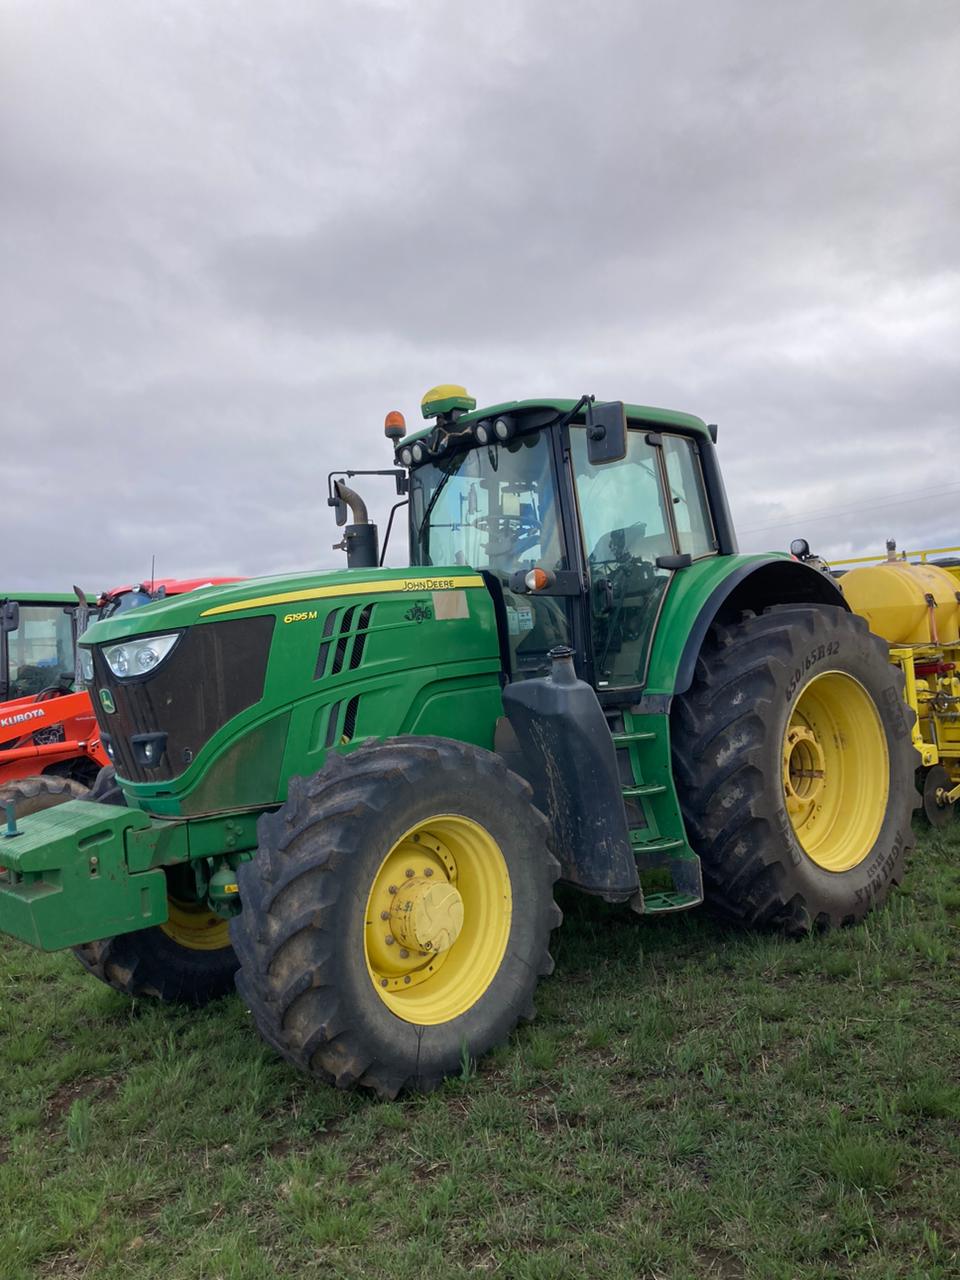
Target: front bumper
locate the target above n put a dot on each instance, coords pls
(66, 877)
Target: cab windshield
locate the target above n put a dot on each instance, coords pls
(40, 651)
(495, 508)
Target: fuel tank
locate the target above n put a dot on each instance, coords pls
(905, 603)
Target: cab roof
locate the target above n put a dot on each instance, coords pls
(635, 413)
(39, 597)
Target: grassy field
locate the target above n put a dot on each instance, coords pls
(690, 1102)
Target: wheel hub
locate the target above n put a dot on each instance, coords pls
(803, 768)
(836, 771)
(427, 915)
(437, 919)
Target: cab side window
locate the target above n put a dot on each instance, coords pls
(695, 533)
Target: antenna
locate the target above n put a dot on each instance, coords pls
(153, 566)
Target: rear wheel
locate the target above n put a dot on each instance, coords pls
(188, 959)
(30, 795)
(795, 768)
(397, 915)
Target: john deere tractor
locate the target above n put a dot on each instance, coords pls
(353, 792)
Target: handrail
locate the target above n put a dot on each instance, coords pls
(901, 555)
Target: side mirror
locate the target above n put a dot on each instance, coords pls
(606, 432)
(339, 510)
(9, 615)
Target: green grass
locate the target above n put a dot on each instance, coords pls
(690, 1102)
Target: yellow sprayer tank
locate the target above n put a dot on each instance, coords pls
(905, 603)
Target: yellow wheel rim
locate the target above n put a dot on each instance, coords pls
(836, 771)
(194, 927)
(437, 920)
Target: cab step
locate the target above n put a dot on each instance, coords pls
(627, 739)
(662, 902)
(686, 888)
(669, 870)
(645, 789)
(641, 846)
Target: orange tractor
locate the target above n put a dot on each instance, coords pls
(50, 748)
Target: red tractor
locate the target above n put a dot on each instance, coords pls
(50, 748)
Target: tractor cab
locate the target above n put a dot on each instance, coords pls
(37, 639)
(577, 514)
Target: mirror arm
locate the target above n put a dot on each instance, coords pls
(405, 502)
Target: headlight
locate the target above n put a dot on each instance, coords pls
(139, 657)
(86, 664)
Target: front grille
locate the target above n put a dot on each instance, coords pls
(356, 656)
(341, 653)
(351, 639)
(325, 645)
(350, 719)
(215, 671)
(338, 734)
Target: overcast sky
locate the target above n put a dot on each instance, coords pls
(234, 235)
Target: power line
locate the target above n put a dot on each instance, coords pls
(832, 513)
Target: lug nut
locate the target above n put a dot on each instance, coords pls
(392, 889)
(428, 871)
(384, 915)
(407, 978)
(389, 939)
(404, 954)
(409, 873)
(383, 982)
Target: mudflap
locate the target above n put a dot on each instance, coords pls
(569, 759)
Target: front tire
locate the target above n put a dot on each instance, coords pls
(397, 915)
(795, 768)
(31, 795)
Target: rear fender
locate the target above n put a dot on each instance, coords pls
(723, 588)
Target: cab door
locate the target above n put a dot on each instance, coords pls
(640, 519)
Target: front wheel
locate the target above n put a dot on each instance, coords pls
(795, 768)
(31, 795)
(397, 915)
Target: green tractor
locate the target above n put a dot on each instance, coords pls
(352, 793)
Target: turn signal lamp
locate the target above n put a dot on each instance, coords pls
(394, 425)
(446, 399)
(538, 579)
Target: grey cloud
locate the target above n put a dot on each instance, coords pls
(233, 237)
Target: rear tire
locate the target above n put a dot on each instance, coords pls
(400, 833)
(189, 960)
(30, 795)
(795, 768)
